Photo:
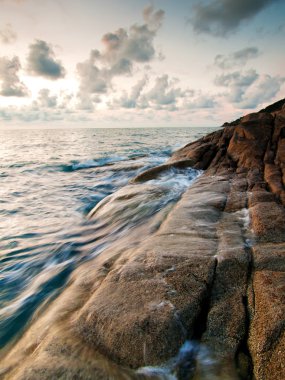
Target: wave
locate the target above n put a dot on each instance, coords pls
(92, 163)
(153, 157)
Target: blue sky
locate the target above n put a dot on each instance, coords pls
(91, 63)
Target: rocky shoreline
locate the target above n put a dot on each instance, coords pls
(213, 272)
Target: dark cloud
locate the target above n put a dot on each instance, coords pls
(7, 34)
(220, 17)
(11, 84)
(238, 58)
(122, 50)
(42, 61)
(134, 46)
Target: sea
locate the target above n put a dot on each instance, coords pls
(51, 180)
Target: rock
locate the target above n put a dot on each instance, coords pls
(258, 196)
(267, 339)
(167, 281)
(249, 141)
(273, 176)
(256, 152)
(225, 328)
(267, 219)
(213, 272)
(154, 172)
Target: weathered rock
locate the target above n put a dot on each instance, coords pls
(256, 149)
(225, 328)
(213, 271)
(273, 176)
(267, 219)
(167, 281)
(266, 339)
(249, 141)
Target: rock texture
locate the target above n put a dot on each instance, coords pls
(212, 272)
(252, 150)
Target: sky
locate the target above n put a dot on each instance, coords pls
(136, 63)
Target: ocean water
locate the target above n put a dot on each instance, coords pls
(65, 197)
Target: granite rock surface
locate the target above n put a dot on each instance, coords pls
(213, 273)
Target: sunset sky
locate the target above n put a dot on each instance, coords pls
(128, 63)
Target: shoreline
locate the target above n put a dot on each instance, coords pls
(198, 277)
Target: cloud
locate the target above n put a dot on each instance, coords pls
(46, 108)
(122, 50)
(13, 1)
(163, 93)
(42, 61)
(153, 19)
(11, 84)
(135, 44)
(45, 100)
(221, 17)
(133, 99)
(93, 79)
(249, 89)
(237, 83)
(29, 114)
(238, 58)
(236, 79)
(201, 102)
(7, 34)
(264, 90)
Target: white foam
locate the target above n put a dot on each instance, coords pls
(189, 349)
(245, 217)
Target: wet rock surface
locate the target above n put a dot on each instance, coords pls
(213, 272)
